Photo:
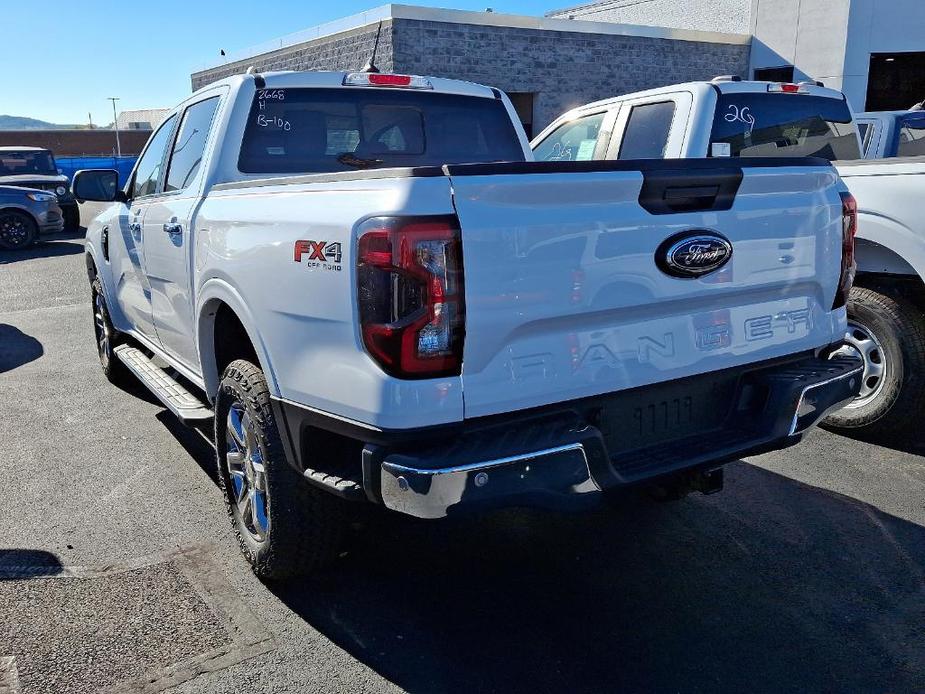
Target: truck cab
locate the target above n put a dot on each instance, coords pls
(726, 117)
(888, 134)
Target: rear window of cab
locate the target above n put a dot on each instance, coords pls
(765, 124)
(319, 130)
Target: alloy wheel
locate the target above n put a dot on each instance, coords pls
(101, 328)
(247, 472)
(14, 231)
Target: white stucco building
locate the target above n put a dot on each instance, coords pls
(873, 50)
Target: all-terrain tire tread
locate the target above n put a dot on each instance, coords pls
(904, 404)
(307, 525)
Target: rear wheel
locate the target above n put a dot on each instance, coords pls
(285, 527)
(17, 230)
(888, 333)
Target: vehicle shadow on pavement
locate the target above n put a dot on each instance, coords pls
(17, 348)
(771, 586)
(910, 442)
(49, 246)
(17, 564)
(197, 441)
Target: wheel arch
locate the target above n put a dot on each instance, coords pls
(226, 330)
(14, 207)
(886, 246)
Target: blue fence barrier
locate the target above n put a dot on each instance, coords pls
(123, 165)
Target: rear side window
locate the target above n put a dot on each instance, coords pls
(308, 130)
(763, 124)
(865, 130)
(647, 131)
(575, 140)
(911, 142)
(189, 144)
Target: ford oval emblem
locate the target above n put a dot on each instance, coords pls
(693, 254)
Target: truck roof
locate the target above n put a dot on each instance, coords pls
(723, 86)
(291, 79)
(882, 114)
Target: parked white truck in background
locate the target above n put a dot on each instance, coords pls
(732, 118)
(304, 259)
(888, 134)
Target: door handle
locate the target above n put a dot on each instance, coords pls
(173, 228)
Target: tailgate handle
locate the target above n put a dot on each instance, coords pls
(670, 191)
(691, 197)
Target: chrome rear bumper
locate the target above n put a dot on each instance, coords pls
(563, 455)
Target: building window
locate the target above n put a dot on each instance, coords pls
(523, 104)
(896, 81)
(774, 74)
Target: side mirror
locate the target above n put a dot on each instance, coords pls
(98, 185)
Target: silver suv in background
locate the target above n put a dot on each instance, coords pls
(24, 214)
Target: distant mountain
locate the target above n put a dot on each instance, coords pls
(24, 123)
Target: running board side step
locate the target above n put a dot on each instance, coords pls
(175, 397)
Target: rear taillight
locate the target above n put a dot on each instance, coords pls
(849, 220)
(412, 307)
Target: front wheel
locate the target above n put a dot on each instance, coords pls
(888, 333)
(17, 230)
(284, 526)
(107, 337)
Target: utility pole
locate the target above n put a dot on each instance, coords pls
(115, 124)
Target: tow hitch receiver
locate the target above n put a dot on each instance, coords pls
(703, 481)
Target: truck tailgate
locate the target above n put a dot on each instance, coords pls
(565, 297)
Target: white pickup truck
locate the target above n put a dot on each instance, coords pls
(306, 260)
(732, 118)
(888, 134)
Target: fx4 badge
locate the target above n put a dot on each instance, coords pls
(325, 255)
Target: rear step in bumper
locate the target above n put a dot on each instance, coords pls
(574, 460)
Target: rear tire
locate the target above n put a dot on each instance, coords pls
(285, 527)
(889, 334)
(17, 230)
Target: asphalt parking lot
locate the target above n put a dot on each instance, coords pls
(118, 571)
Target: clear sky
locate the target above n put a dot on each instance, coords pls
(60, 61)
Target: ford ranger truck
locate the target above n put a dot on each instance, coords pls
(375, 297)
(732, 118)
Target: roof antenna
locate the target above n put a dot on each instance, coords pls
(371, 65)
